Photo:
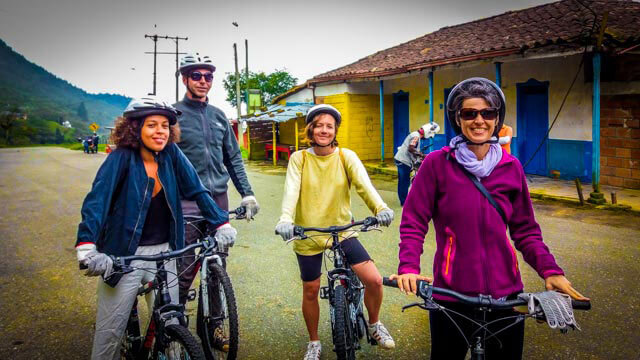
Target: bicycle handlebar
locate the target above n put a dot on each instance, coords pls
(120, 261)
(367, 222)
(425, 289)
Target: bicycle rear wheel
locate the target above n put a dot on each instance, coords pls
(342, 331)
(222, 321)
(180, 345)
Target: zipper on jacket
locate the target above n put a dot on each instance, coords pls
(207, 133)
(144, 198)
(446, 269)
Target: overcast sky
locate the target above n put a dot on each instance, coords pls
(99, 45)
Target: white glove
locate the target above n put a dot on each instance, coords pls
(285, 229)
(97, 263)
(385, 217)
(251, 204)
(226, 235)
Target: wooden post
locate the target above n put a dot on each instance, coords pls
(579, 188)
(296, 126)
(273, 131)
(614, 198)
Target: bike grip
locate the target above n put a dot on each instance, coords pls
(387, 282)
(581, 304)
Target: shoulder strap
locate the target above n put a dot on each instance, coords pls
(344, 166)
(484, 191)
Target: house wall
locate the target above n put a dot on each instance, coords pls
(620, 141)
(360, 129)
(305, 95)
(288, 132)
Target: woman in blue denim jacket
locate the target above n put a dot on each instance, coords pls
(134, 208)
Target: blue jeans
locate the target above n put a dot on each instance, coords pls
(404, 176)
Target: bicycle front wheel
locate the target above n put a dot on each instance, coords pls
(218, 331)
(342, 331)
(180, 345)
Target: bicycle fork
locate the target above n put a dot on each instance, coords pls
(204, 279)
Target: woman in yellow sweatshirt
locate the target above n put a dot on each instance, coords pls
(317, 194)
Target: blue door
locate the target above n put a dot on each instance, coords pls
(533, 123)
(448, 129)
(400, 118)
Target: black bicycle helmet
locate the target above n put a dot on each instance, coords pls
(143, 107)
(463, 86)
(324, 109)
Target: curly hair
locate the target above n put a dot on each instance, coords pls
(127, 133)
(309, 131)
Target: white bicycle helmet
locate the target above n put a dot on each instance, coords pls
(429, 130)
(145, 106)
(324, 109)
(195, 61)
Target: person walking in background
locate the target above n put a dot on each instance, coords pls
(504, 137)
(409, 154)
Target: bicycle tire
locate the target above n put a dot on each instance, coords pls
(219, 279)
(343, 336)
(180, 339)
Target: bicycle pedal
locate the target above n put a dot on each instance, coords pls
(324, 292)
(191, 295)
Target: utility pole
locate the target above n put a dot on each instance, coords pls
(155, 52)
(246, 72)
(238, 98)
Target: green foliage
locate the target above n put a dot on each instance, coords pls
(45, 98)
(271, 85)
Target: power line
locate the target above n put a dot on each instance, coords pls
(155, 53)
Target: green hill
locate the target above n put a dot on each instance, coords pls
(48, 102)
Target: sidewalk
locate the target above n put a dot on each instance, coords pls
(546, 188)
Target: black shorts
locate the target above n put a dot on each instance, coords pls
(311, 265)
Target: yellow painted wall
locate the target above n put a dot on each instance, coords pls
(360, 128)
(287, 132)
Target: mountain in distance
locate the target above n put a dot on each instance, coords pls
(46, 98)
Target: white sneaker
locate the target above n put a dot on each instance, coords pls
(313, 350)
(380, 334)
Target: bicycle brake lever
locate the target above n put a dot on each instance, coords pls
(294, 238)
(411, 305)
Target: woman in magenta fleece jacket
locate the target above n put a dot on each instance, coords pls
(474, 255)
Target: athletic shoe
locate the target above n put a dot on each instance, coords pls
(313, 350)
(380, 334)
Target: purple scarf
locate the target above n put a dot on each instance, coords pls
(465, 157)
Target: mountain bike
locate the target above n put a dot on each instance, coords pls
(345, 292)
(485, 304)
(217, 311)
(163, 339)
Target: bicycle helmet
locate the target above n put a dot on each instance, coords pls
(429, 130)
(324, 109)
(145, 106)
(474, 87)
(195, 61)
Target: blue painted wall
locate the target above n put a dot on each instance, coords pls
(572, 158)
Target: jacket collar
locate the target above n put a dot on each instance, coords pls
(195, 103)
(506, 157)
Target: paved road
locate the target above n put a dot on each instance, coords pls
(48, 308)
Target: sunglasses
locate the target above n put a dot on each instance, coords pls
(471, 114)
(196, 76)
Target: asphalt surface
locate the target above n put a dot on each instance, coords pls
(47, 307)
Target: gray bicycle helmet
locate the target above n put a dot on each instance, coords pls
(465, 88)
(145, 106)
(324, 109)
(195, 61)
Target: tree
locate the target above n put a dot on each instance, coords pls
(8, 119)
(270, 85)
(82, 112)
